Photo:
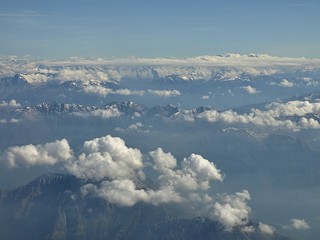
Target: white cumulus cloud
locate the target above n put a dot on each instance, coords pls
(86, 75)
(103, 91)
(100, 113)
(205, 97)
(127, 92)
(234, 210)
(107, 157)
(299, 224)
(163, 161)
(12, 103)
(47, 154)
(275, 115)
(249, 89)
(97, 90)
(286, 83)
(266, 229)
(12, 120)
(165, 93)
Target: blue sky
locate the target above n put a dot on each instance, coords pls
(167, 28)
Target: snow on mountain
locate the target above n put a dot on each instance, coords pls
(290, 115)
(228, 67)
(221, 81)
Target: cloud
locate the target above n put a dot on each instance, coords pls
(205, 97)
(135, 126)
(87, 75)
(12, 120)
(47, 154)
(195, 171)
(293, 108)
(163, 161)
(139, 127)
(165, 93)
(299, 224)
(233, 211)
(248, 229)
(250, 90)
(106, 157)
(12, 103)
(103, 91)
(127, 92)
(286, 83)
(175, 185)
(97, 90)
(291, 115)
(184, 184)
(111, 112)
(196, 165)
(238, 60)
(124, 192)
(266, 229)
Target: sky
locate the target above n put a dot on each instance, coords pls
(152, 28)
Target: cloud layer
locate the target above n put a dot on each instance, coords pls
(113, 70)
(104, 91)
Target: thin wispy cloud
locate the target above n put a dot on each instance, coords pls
(22, 14)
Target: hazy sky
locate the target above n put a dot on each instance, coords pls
(162, 28)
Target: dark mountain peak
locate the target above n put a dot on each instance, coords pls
(202, 109)
(56, 107)
(311, 97)
(48, 184)
(128, 107)
(17, 81)
(169, 79)
(167, 110)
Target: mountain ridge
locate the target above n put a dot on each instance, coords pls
(51, 207)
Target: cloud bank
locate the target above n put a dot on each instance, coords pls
(292, 115)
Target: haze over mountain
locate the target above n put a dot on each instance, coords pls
(212, 147)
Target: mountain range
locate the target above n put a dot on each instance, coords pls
(255, 118)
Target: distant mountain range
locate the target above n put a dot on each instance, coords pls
(219, 85)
